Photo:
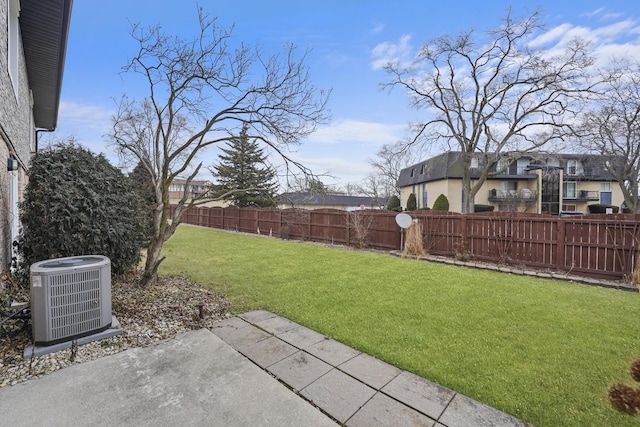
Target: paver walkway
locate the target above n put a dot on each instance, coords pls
(351, 387)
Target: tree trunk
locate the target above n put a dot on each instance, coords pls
(153, 261)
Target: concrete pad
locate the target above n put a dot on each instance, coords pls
(466, 412)
(267, 352)
(240, 337)
(276, 325)
(300, 369)
(195, 379)
(302, 337)
(427, 397)
(257, 316)
(332, 352)
(338, 394)
(382, 410)
(370, 370)
(36, 351)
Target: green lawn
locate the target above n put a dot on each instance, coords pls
(542, 350)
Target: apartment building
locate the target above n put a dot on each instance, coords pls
(537, 183)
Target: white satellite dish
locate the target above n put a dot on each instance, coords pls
(404, 220)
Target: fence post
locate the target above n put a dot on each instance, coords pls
(347, 222)
(560, 243)
(464, 244)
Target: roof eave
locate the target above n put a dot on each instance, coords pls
(45, 31)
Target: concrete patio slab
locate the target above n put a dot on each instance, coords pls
(466, 412)
(267, 352)
(277, 325)
(240, 337)
(332, 352)
(382, 410)
(257, 316)
(370, 370)
(427, 397)
(338, 394)
(300, 369)
(302, 337)
(229, 326)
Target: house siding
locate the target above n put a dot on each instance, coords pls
(17, 132)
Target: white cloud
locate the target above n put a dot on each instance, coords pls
(621, 38)
(355, 131)
(76, 117)
(387, 52)
(594, 12)
(338, 170)
(88, 123)
(377, 28)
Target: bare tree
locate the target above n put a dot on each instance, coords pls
(389, 161)
(360, 223)
(202, 92)
(374, 186)
(381, 182)
(612, 127)
(493, 95)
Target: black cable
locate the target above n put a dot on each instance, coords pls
(22, 314)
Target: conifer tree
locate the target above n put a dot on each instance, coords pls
(243, 177)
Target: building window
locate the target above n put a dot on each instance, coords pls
(422, 170)
(605, 193)
(13, 37)
(424, 195)
(568, 208)
(502, 166)
(508, 185)
(474, 163)
(413, 171)
(570, 190)
(572, 167)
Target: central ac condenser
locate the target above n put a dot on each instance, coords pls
(70, 298)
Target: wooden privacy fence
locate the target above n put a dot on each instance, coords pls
(601, 246)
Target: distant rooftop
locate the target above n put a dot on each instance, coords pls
(329, 199)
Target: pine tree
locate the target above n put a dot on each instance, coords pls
(243, 178)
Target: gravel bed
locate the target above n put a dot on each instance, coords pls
(149, 314)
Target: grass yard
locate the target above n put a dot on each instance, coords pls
(544, 351)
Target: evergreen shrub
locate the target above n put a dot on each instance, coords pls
(412, 203)
(483, 208)
(77, 203)
(393, 204)
(441, 203)
(600, 208)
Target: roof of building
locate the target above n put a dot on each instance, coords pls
(450, 165)
(45, 28)
(328, 199)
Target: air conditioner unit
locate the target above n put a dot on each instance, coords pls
(70, 298)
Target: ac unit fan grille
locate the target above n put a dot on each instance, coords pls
(75, 303)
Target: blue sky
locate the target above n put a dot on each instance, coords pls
(348, 41)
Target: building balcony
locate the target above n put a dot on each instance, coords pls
(582, 196)
(522, 195)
